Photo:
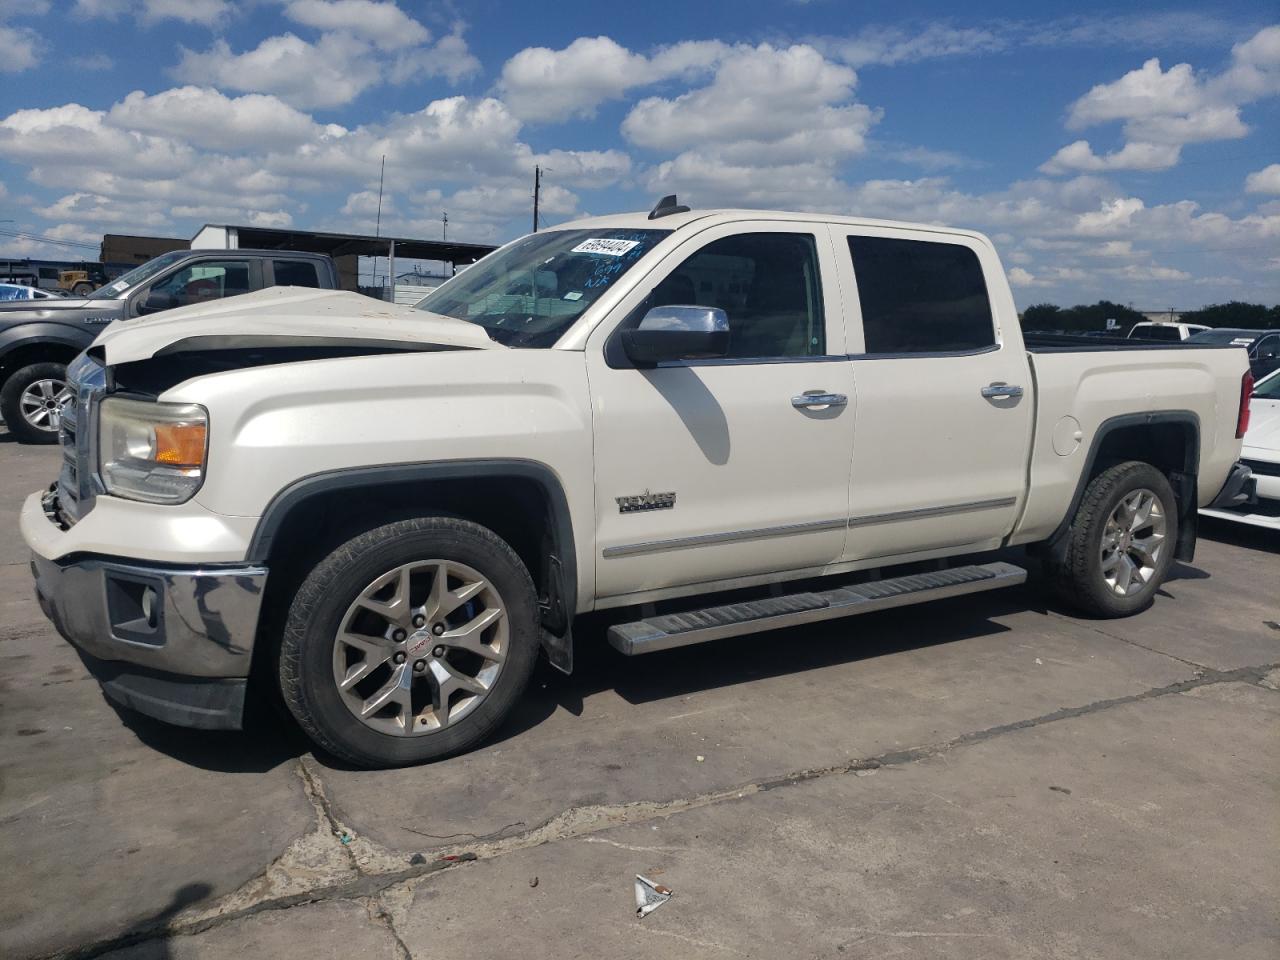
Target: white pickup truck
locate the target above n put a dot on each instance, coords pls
(711, 423)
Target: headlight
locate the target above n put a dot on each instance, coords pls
(152, 451)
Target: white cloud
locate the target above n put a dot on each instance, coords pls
(12, 9)
(75, 136)
(887, 46)
(1115, 216)
(773, 126)
(1019, 277)
(932, 160)
(22, 47)
(586, 168)
(545, 85)
(332, 71)
(339, 65)
(366, 203)
(382, 23)
(1266, 180)
(211, 13)
(1171, 108)
(206, 118)
(1079, 156)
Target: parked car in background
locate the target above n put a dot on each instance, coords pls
(1263, 346)
(1261, 454)
(612, 414)
(38, 339)
(1163, 330)
(20, 291)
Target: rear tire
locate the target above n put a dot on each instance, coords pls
(410, 642)
(24, 402)
(1120, 543)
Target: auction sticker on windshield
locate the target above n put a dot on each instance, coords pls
(602, 245)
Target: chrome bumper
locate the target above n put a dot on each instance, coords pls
(170, 642)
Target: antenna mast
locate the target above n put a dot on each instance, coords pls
(537, 189)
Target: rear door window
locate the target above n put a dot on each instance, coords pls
(919, 296)
(296, 273)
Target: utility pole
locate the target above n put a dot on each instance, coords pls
(377, 230)
(444, 220)
(537, 189)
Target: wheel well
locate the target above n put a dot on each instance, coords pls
(1171, 444)
(516, 508)
(30, 353)
(1171, 447)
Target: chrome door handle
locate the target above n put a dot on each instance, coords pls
(818, 398)
(1001, 391)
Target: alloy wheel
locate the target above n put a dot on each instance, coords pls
(1133, 542)
(42, 401)
(420, 647)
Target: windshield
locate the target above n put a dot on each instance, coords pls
(529, 293)
(1241, 337)
(136, 276)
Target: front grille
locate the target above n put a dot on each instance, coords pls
(1263, 468)
(88, 381)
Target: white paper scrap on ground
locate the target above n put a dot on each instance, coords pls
(649, 895)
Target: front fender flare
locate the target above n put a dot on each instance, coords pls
(562, 591)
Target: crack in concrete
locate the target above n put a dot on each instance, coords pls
(380, 915)
(320, 801)
(362, 888)
(582, 821)
(1132, 643)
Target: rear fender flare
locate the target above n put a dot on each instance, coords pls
(1184, 480)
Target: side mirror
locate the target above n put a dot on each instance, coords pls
(678, 333)
(157, 300)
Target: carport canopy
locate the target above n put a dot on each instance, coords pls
(340, 244)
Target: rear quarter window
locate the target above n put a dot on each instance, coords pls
(919, 296)
(296, 273)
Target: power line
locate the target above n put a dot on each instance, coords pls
(20, 235)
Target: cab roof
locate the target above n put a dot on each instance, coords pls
(677, 221)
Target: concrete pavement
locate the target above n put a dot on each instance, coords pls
(983, 777)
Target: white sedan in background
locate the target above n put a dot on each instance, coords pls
(18, 291)
(1261, 454)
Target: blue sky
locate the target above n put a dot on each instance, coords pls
(1129, 154)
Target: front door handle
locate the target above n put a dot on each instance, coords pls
(818, 398)
(1001, 391)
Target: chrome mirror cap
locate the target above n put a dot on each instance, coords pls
(686, 319)
(678, 333)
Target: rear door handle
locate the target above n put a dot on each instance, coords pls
(1001, 391)
(818, 398)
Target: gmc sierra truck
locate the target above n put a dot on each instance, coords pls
(38, 339)
(710, 423)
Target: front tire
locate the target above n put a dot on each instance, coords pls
(410, 642)
(31, 402)
(1120, 544)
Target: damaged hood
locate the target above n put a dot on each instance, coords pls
(286, 317)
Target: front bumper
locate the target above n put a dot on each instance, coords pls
(174, 643)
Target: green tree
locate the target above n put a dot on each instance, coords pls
(1252, 316)
(1082, 317)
